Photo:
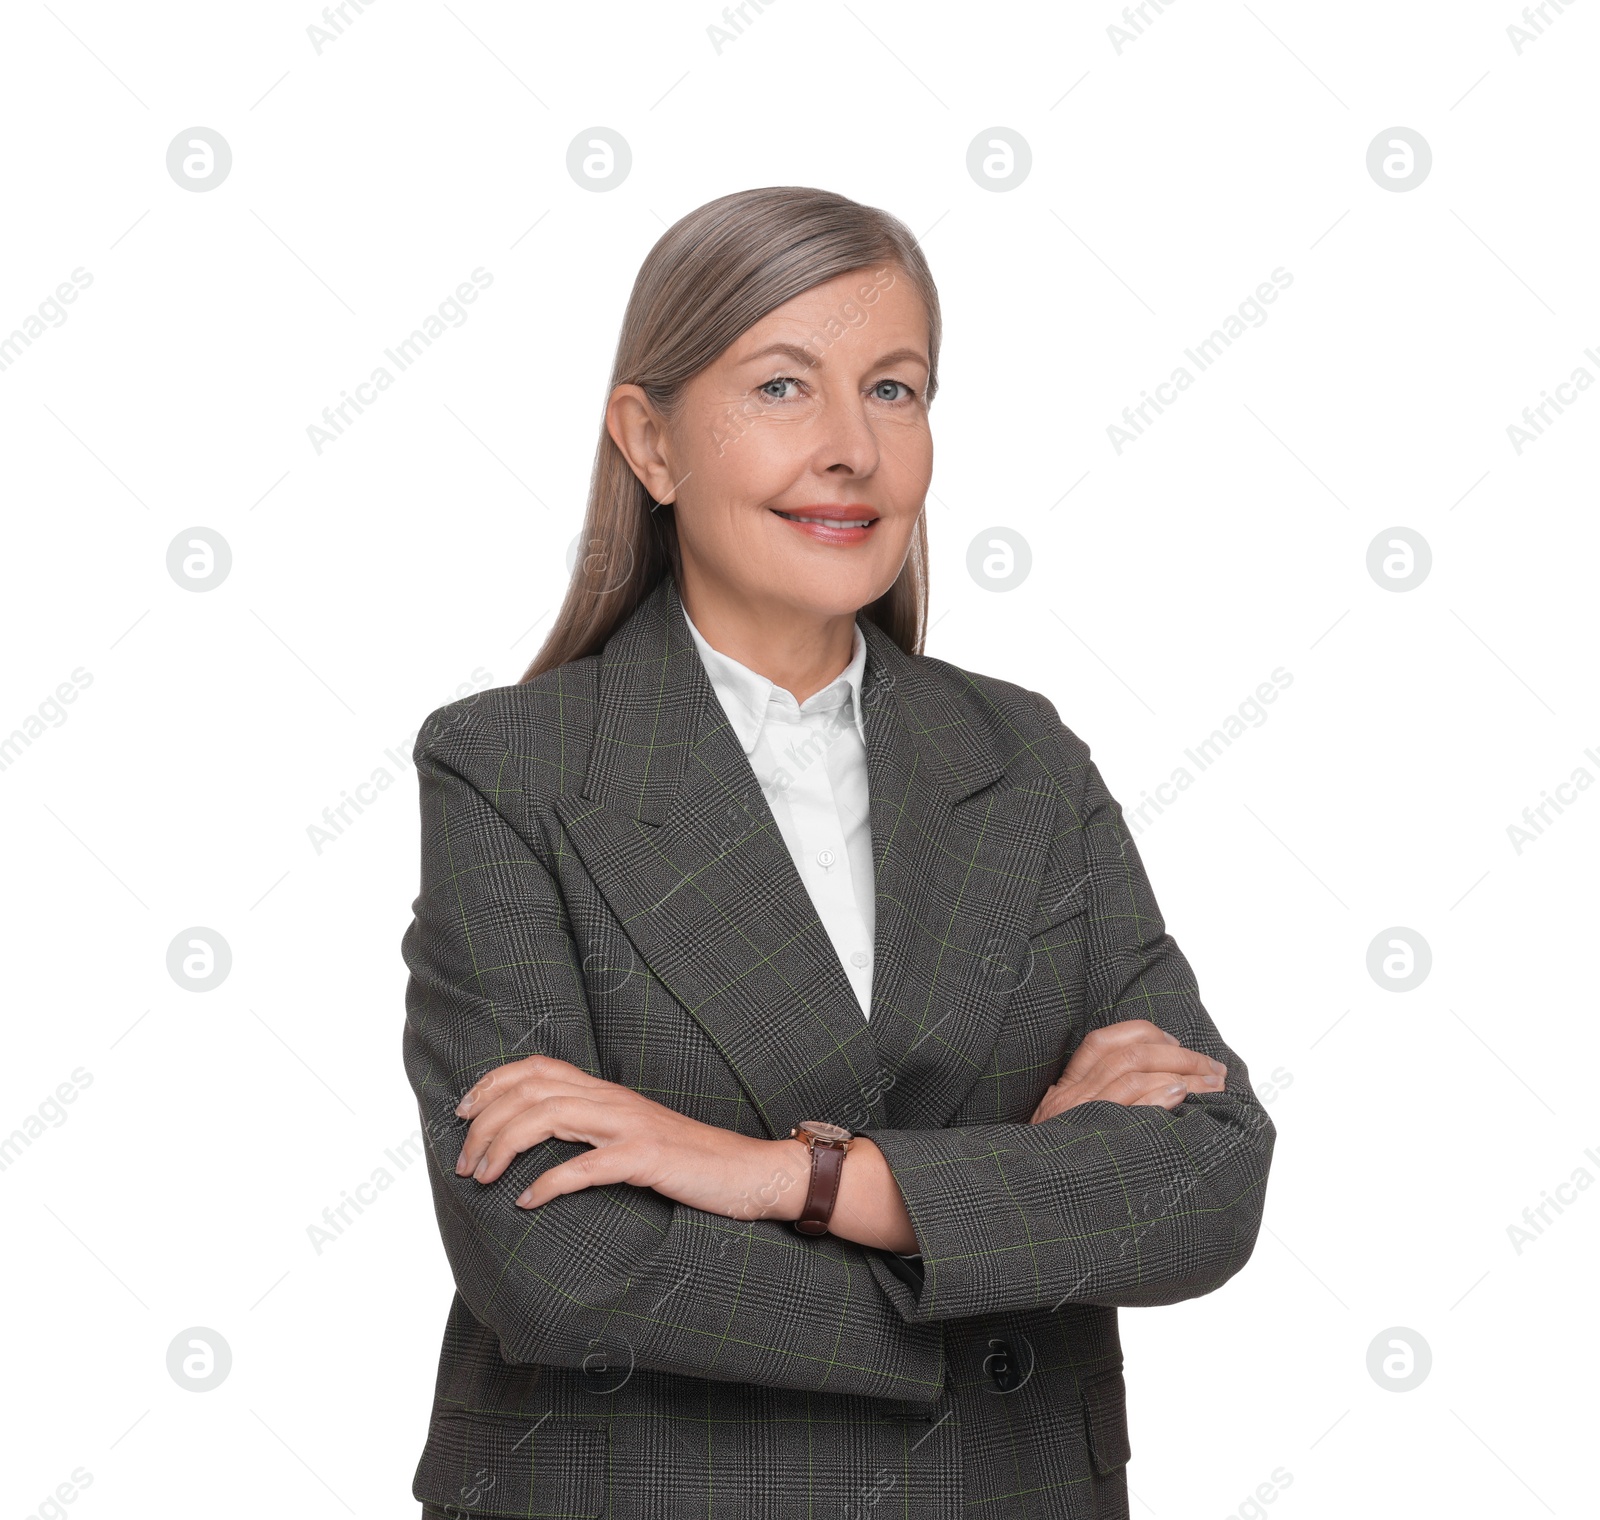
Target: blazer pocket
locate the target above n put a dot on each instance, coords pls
(508, 1464)
(1105, 1412)
(1053, 915)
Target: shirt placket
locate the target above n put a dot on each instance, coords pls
(820, 829)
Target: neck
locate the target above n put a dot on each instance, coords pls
(798, 648)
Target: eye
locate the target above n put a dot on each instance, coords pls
(909, 393)
(766, 390)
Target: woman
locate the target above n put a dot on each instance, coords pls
(734, 858)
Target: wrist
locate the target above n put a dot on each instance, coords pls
(792, 1169)
(871, 1209)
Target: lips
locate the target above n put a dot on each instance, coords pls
(837, 527)
(831, 517)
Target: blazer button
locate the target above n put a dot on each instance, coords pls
(1002, 1370)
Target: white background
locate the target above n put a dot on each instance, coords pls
(422, 555)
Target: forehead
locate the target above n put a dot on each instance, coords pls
(867, 313)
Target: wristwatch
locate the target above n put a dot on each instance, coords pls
(828, 1144)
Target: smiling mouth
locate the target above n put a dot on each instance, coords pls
(829, 522)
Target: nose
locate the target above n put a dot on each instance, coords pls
(846, 442)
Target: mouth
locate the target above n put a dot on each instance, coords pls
(839, 524)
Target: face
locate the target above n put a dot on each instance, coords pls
(817, 410)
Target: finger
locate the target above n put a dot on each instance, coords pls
(1135, 1089)
(515, 1073)
(1134, 1078)
(500, 1108)
(1128, 1089)
(1118, 1085)
(496, 1080)
(1127, 1032)
(1179, 1060)
(596, 1168)
(561, 1116)
(1165, 1092)
(1057, 1101)
(1203, 1074)
(1100, 1042)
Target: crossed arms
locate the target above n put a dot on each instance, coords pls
(602, 1219)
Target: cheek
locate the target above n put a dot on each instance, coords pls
(748, 462)
(908, 447)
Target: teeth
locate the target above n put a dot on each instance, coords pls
(826, 522)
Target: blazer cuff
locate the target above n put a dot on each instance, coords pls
(985, 1215)
(900, 1277)
(1099, 1204)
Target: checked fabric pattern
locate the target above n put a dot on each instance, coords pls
(603, 881)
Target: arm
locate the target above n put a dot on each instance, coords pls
(620, 1270)
(1100, 1203)
(869, 1208)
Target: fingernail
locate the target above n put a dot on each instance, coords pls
(1218, 1067)
(1214, 1080)
(482, 1167)
(461, 1164)
(525, 1198)
(1177, 1087)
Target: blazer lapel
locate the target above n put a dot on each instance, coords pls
(680, 840)
(959, 859)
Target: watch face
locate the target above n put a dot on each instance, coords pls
(825, 1131)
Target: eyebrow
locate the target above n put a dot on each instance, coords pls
(803, 356)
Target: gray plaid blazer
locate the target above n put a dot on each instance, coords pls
(603, 881)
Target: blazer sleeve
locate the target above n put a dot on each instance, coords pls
(618, 1275)
(1103, 1203)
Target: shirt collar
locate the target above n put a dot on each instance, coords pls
(746, 695)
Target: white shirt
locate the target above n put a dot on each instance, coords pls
(810, 759)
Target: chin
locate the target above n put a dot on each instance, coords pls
(837, 597)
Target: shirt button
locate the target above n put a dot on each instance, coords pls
(825, 858)
(858, 957)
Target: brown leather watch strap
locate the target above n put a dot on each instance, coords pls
(827, 1167)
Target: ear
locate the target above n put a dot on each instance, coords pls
(639, 431)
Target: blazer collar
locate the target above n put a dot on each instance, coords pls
(653, 680)
(677, 836)
(746, 694)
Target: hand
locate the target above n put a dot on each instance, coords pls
(1133, 1062)
(635, 1140)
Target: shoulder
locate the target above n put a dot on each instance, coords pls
(1020, 725)
(542, 729)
